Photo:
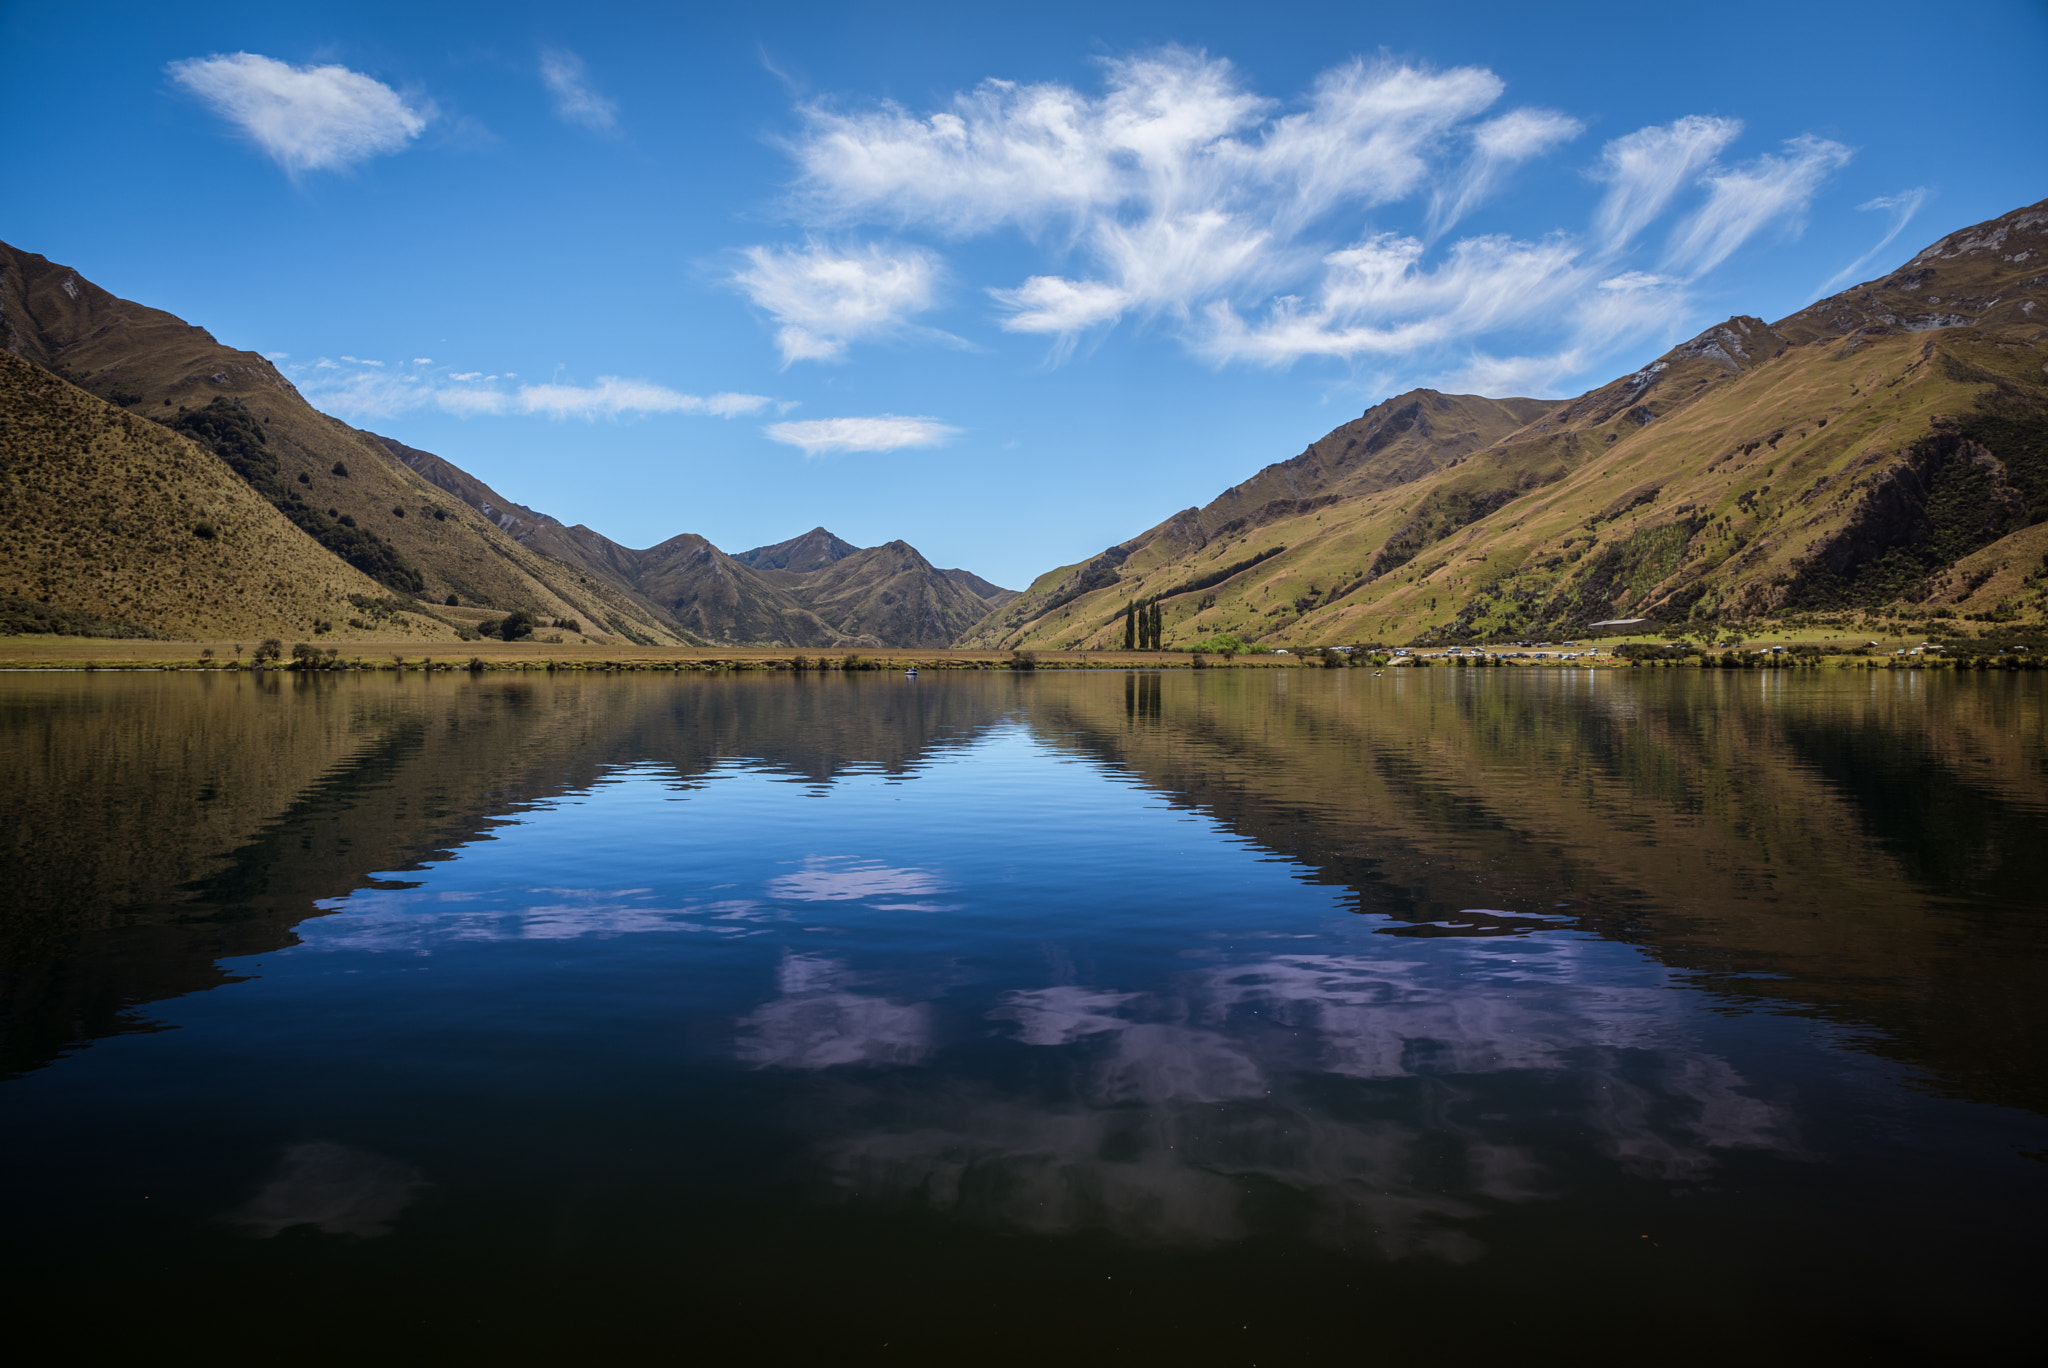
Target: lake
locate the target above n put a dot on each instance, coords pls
(1246, 1017)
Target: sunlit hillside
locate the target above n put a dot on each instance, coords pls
(110, 515)
(1885, 450)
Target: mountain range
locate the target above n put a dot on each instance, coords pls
(433, 549)
(1882, 451)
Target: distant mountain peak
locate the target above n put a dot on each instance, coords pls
(814, 550)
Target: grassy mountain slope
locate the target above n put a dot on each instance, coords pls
(813, 590)
(425, 528)
(156, 365)
(108, 514)
(1392, 444)
(1885, 449)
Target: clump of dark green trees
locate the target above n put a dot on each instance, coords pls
(1144, 626)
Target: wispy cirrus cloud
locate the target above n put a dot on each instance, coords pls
(825, 297)
(882, 432)
(1498, 147)
(1902, 207)
(1743, 201)
(1379, 297)
(576, 97)
(305, 118)
(368, 391)
(1645, 170)
(1617, 310)
(1177, 197)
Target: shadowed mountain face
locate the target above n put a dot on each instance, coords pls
(157, 366)
(885, 595)
(432, 529)
(1887, 447)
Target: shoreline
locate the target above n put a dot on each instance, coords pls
(95, 654)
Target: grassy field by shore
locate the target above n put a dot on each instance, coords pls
(96, 653)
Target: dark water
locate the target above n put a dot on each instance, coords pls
(1246, 1018)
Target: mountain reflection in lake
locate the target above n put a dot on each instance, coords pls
(1234, 1016)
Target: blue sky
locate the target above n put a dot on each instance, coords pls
(1011, 285)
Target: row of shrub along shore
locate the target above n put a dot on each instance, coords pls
(1027, 661)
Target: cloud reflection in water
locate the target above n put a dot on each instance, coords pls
(1208, 1115)
(816, 1024)
(332, 1188)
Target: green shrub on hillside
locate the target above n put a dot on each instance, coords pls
(27, 617)
(1225, 644)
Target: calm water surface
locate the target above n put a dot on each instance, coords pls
(1238, 1017)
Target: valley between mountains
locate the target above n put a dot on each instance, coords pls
(1879, 455)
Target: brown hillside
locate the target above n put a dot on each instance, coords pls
(1885, 450)
(889, 595)
(429, 529)
(718, 599)
(108, 514)
(157, 364)
(1394, 443)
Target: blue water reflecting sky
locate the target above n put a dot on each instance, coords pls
(1015, 989)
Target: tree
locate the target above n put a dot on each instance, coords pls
(1158, 626)
(1130, 624)
(516, 624)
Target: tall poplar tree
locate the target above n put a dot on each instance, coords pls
(1130, 624)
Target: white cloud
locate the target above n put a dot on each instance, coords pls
(1619, 311)
(1177, 197)
(1902, 207)
(1053, 304)
(276, 356)
(1174, 132)
(883, 432)
(423, 360)
(1742, 202)
(1645, 169)
(1498, 146)
(824, 298)
(1377, 297)
(313, 118)
(576, 100)
(468, 394)
(612, 397)
(1177, 182)
(1366, 134)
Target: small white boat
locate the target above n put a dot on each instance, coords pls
(911, 672)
